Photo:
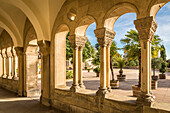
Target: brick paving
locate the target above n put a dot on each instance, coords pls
(162, 94)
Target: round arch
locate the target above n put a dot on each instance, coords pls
(155, 6)
(83, 24)
(116, 11)
(12, 33)
(32, 17)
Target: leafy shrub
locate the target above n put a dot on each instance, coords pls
(69, 74)
(163, 67)
(96, 70)
(70, 67)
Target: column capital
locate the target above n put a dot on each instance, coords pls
(4, 53)
(19, 50)
(9, 52)
(44, 47)
(104, 36)
(146, 28)
(77, 41)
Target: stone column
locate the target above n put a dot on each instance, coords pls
(77, 43)
(14, 67)
(80, 56)
(45, 72)
(4, 63)
(20, 55)
(104, 37)
(146, 28)
(10, 57)
(108, 65)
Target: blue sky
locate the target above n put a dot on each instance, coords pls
(125, 23)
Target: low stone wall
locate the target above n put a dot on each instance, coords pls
(70, 102)
(9, 84)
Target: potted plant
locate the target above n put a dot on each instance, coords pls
(121, 63)
(162, 70)
(88, 69)
(97, 71)
(156, 64)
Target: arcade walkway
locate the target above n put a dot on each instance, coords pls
(11, 103)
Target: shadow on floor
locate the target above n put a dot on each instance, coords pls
(11, 103)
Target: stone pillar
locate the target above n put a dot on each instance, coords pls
(9, 65)
(14, 67)
(45, 72)
(80, 56)
(77, 43)
(104, 38)
(20, 55)
(1, 64)
(108, 65)
(4, 63)
(146, 28)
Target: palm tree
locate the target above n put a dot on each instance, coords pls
(132, 49)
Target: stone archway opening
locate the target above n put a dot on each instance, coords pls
(32, 69)
(121, 21)
(60, 64)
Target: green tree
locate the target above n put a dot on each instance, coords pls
(155, 46)
(96, 59)
(163, 52)
(163, 56)
(69, 49)
(88, 51)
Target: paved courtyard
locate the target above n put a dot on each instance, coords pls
(162, 93)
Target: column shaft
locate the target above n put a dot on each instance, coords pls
(75, 69)
(145, 60)
(108, 68)
(103, 67)
(80, 75)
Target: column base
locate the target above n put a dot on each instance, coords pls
(20, 93)
(4, 76)
(82, 86)
(15, 78)
(109, 89)
(10, 77)
(74, 88)
(145, 99)
(45, 101)
(102, 92)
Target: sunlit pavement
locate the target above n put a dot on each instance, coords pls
(162, 94)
